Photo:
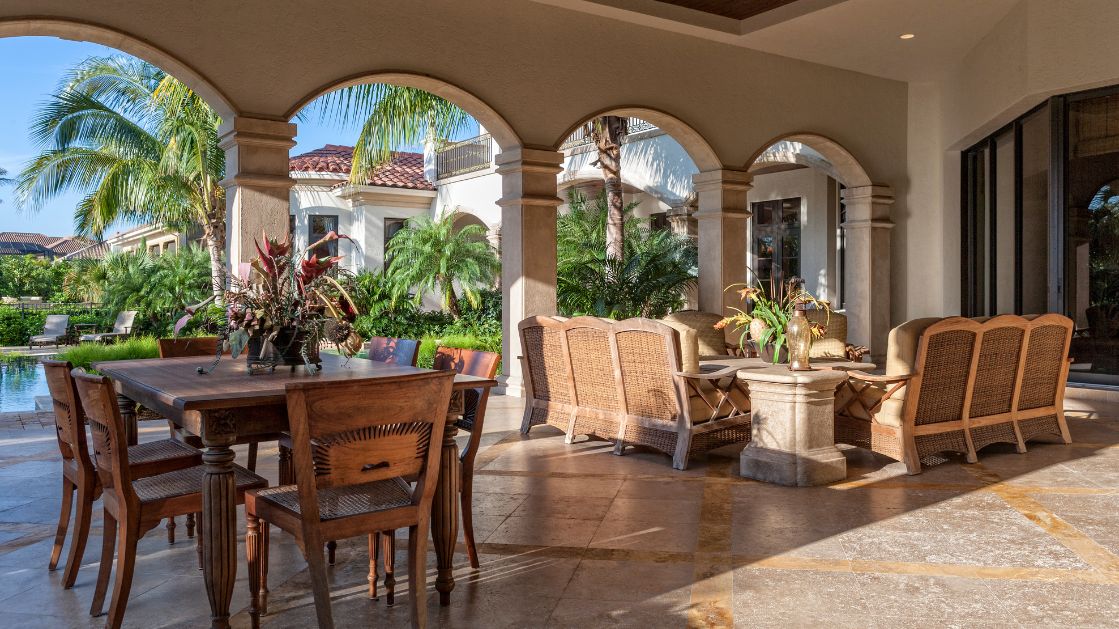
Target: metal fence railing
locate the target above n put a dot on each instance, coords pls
(464, 157)
(581, 137)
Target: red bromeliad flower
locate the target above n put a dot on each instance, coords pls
(311, 268)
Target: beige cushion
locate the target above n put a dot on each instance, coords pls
(689, 346)
(712, 342)
(833, 344)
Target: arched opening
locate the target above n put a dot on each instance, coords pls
(92, 195)
(638, 163)
(437, 163)
(816, 215)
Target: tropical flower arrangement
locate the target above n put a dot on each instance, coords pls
(285, 304)
(764, 320)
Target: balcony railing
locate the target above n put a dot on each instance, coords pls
(581, 137)
(464, 157)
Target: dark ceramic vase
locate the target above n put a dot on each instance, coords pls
(286, 349)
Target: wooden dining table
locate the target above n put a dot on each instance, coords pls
(227, 403)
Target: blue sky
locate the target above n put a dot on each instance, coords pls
(30, 68)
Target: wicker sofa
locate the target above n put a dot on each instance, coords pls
(958, 385)
(634, 382)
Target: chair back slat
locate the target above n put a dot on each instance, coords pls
(360, 431)
(944, 358)
(470, 362)
(1000, 351)
(392, 351)
(109, 444)
(189, 347)
(1046, 360)
(123, 324)
(592, 363)
(69, 418)
(648, 356)
(545, 367)
(56, 324)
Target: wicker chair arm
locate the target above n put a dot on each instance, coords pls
(869, 377)
(714, 375)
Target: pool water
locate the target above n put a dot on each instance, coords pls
(21, 380)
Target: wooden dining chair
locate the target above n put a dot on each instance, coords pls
(381, 349)
(357, 444)
(78, 473)
(134, 505)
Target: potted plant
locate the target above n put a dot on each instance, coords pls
(284, 305)
(763, 321)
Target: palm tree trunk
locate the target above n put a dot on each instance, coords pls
(452, 300)
(607, 133)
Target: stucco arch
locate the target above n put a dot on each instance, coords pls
(847, 168)
(95, 33)
(697, 147)
(501, 131)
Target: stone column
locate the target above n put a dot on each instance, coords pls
(866, 274)
(257, 182)
(681, 218)
(723, 214)
(529, 199)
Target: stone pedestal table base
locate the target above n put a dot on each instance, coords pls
(792, 434)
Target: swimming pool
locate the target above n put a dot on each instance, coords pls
(21, 380)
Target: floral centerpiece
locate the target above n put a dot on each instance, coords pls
(281, 307)
(765, 320)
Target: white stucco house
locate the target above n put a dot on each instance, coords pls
(795, 198)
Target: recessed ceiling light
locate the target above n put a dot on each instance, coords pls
(906, 36)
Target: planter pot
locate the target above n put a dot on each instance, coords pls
(286, 349)
(765, 352)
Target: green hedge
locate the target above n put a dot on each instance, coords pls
(17, 326)
(86, 354)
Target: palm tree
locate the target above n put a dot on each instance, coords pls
(650, 279)
(393, 116)
(139, 144)
(607, 133)
(431, 256)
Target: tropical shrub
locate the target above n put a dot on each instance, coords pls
(31, 276)
(432, 256)
(133, 348)
(159, 288)
(649, 280)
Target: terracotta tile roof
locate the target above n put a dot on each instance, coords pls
(68, 244)
(22, 243)
(406, 170)
(95, 251)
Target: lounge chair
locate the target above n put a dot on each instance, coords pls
(122, 328)
(54, 331)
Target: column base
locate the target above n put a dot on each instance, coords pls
(510, 385)
(807, 468)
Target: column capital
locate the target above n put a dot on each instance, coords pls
(875, 193)
(724, 178)
(528, 159)
(244, 131)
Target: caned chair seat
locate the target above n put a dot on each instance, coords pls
(340, 502)
(147, 458)
(189, 481)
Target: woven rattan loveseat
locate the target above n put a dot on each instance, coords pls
(958, 385)
(634, 382)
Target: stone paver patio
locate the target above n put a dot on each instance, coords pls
(574, 536)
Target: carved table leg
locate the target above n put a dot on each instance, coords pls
(219, 523)
(128, 414)
(444, 515)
